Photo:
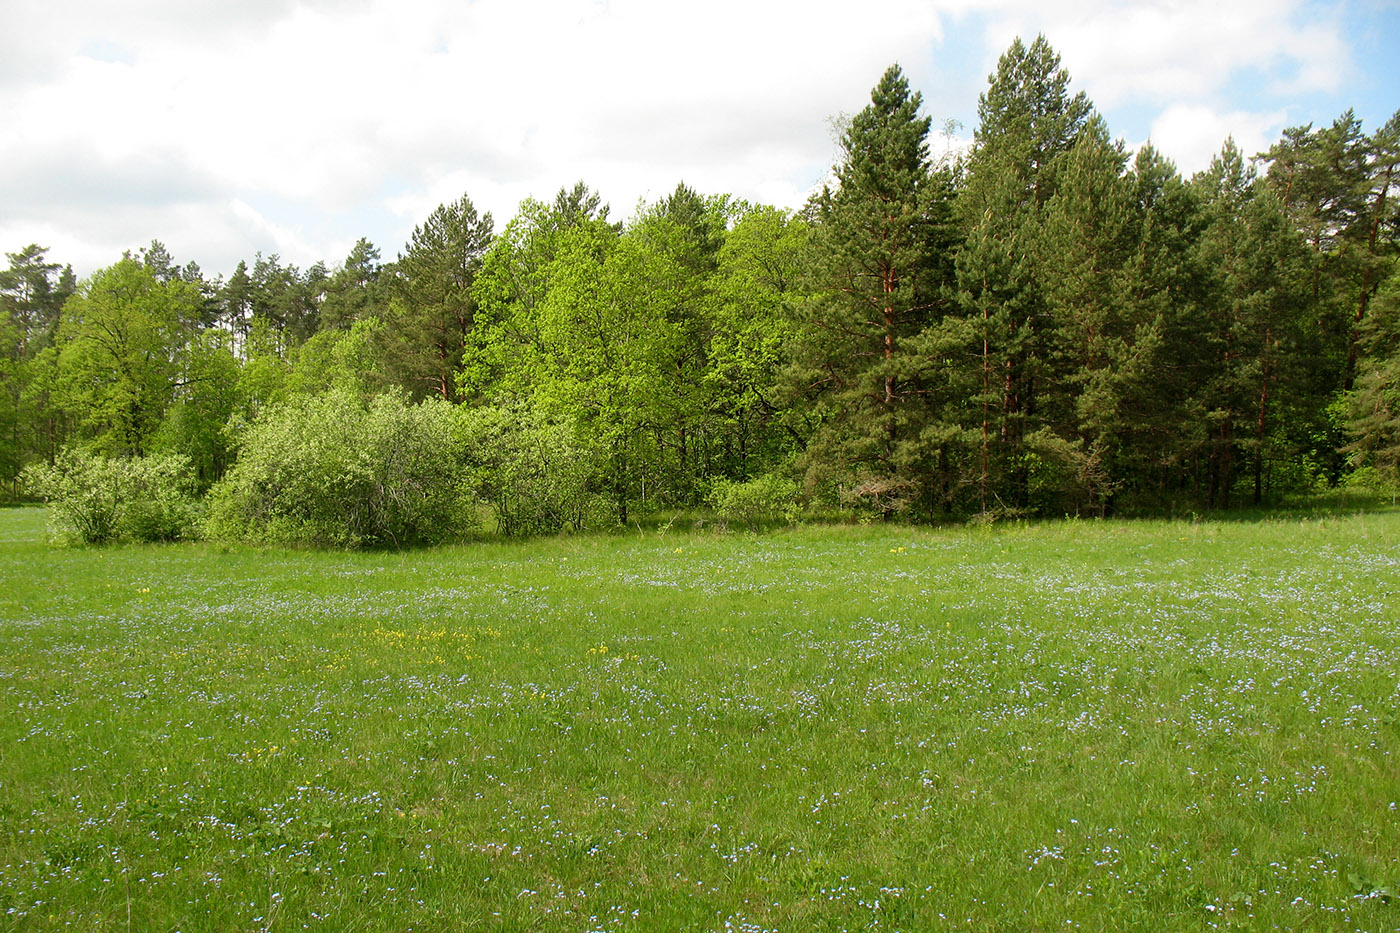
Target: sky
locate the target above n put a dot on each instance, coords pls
(296, 127)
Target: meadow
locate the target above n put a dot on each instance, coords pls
(1164, 725)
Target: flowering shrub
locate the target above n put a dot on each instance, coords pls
(95, 499)
(535, 474)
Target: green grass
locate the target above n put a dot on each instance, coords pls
(1098, 725)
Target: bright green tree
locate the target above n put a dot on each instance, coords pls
(501, 361)
(205, 398)
(604, 341)
(759, 273)
(120, 354)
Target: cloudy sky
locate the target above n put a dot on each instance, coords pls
(297, 126)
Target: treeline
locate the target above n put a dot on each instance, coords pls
(1042, 325)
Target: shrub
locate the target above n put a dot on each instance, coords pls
(95, 499)
(764, 497)
(885, 496)
(534, 473)
(333, 470)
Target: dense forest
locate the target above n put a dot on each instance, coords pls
(1045, 324)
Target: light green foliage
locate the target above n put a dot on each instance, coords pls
(535, 474)
(333, 470)
(262, 381)
(757, 276)
(350, 359)
(591, 329)
(1085, 725)
(762, 498)
(11, 391)
(120, 350)
(656, 344)
(195, 424)
(95, 499)
(604, 338)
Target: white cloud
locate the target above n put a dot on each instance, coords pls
(323, 108)
(1193, 134)
(1169, 50)
(330, 120)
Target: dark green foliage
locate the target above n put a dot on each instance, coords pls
(1252, 334)
(1373, 407)
(32, 291)
(352, 292)
(1029, 124)
(433, 310)
(878, 271)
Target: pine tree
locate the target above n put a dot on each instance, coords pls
(433, 310)
(877, 270)
(1028, 125)
(1163, 290)
(1087, 238)
(352, 291)
(1252, 336)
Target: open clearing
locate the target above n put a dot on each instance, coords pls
(1155, 725)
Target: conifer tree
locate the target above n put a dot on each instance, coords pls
(433, 310)
(1163, 289)
(1028, 122)
(1252, 336)
(877, 270)
(1087, 237)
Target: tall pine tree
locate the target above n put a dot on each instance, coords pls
(877, 277)
(1028, 123)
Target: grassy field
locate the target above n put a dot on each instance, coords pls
(1077, 725)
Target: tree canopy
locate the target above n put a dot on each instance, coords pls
(1045, 323)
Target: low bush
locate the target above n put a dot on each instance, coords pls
(333, 470)
(95, 499)
(763, 498)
